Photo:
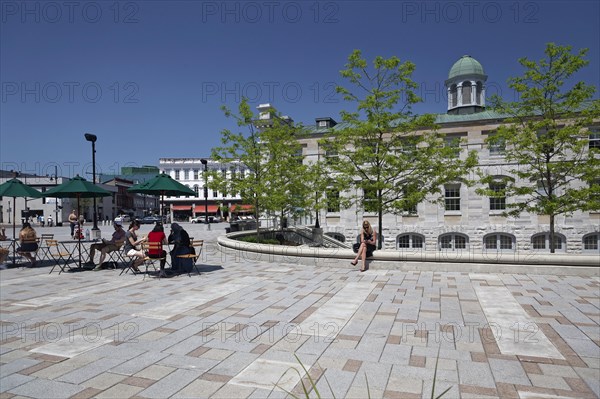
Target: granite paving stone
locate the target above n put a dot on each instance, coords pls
(188, 337)
(170, 384)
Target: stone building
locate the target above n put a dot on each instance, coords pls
(466, 221)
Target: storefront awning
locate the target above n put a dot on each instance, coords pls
(211, 209)
(181, 207)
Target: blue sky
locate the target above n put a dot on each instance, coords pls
(149, 77)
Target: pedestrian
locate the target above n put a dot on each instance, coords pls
(368, 240)
(72, 221)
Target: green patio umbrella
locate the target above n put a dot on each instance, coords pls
(78, 188)
(162, 185)
(15, 188)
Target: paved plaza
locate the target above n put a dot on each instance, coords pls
(248, 329)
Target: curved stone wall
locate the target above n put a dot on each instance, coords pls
(557, 264)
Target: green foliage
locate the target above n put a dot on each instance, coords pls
(546, 138)
(393, 156)
(271, 153)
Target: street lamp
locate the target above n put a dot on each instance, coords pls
(205, 163)
(93, 138)
(56, 199)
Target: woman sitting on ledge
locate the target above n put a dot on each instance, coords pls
(368, 238)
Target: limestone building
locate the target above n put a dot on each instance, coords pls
(466, 221)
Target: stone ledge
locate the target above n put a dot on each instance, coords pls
(553, 264)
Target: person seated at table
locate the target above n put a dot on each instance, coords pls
(131, 243)
(181, 246)
(107, 246)
(157, 235)
(28, 243)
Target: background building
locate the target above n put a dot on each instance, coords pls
(466, 221)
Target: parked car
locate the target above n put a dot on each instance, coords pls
(149, 220)
(211, 219)
(123, 218)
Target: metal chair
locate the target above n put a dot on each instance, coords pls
(44, 248)
(197, 246)
(59, 255)
(116, 256)
(153, 247)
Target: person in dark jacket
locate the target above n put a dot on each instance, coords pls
(180, 240)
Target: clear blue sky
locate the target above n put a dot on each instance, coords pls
(148, 77)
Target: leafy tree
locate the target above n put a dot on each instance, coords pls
(269, 152)
(546, 139)
(385, 151)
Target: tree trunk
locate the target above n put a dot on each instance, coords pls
(257, 219)
(552, 248)
(379, 220)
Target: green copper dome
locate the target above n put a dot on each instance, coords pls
(466, 65)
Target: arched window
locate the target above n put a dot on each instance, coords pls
(466, 93)
(591, 242)
(410, 240)
(499, 242)
(453, 242)
(541, 242)
(453, 95)
(196, 189)
(479, 92)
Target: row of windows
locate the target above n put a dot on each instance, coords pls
(196, 174)
(452, 199)
(498, 147)
(495, 242)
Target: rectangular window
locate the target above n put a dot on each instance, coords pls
(453, 142)
(176, 175)
(452, 197)
(495, 144)
(594, 139)
(409, 209)
(215, 194)
(331, 155)
(195, 174)
(498, 202)
(333, 201)
(370, 200)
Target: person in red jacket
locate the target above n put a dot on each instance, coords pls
(157, 235)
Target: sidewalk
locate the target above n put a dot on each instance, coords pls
(235, 330)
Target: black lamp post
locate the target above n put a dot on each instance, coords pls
(205, 163)
(93, 138)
